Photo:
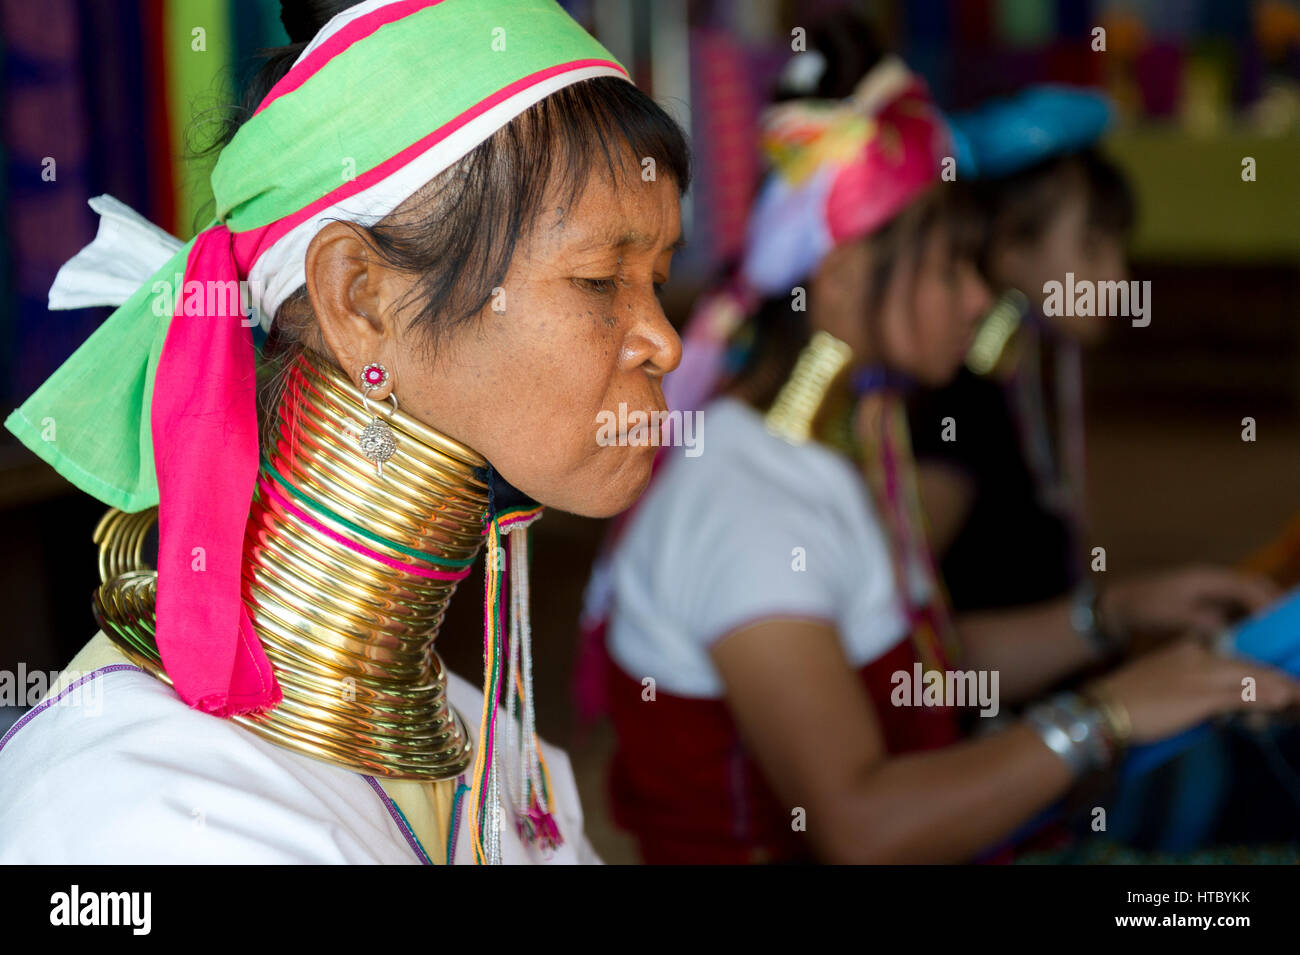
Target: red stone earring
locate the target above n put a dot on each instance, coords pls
(376, 441)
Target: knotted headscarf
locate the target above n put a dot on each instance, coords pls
(840, 169)
(158, 406)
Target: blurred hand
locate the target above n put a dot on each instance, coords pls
(1184, 683)
(1196, 600)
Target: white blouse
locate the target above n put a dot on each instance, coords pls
(115, 768)
(751, 528)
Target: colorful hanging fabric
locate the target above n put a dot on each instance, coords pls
(196, 60)
(889, 468)
(48, 164)
(524, 788)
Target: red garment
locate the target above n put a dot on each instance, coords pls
(684, 785)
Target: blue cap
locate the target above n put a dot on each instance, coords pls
(963, 153)
(1010, 134)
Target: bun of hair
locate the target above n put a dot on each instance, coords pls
(303, 19)
(846, 46)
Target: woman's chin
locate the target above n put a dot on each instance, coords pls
(608, 494)
(628, 485)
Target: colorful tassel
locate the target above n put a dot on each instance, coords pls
(528, 787)
(484, 795)
(530, 795)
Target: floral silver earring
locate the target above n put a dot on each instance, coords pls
(376, 440)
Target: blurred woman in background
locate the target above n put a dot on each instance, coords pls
(1000, 449)
(775, 610)
(1003, 489)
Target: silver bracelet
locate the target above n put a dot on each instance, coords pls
(1085, 618)
(1072, 729)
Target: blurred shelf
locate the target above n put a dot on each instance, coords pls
(1193, 204)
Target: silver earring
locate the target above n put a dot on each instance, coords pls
(376, 440)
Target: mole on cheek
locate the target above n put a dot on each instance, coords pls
(608, 320)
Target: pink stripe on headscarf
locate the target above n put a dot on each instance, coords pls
(357, 30)
(204, 410)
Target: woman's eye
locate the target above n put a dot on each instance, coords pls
(659, 288)
(597, 286)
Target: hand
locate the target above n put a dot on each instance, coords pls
(1199, 600)
(1183, 684)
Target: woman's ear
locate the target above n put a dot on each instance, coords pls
(353, 294)
(839, 293)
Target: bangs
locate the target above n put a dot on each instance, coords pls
(603, 126)
(949, 212)
(965, 221)
(1019, 207)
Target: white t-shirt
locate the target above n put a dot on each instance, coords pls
(751, 528)
(120, 770)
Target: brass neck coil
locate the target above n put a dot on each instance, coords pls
(346, 578)
(795, 410)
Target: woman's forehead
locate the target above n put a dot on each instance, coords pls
(633, 217)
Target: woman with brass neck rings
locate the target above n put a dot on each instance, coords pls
(443, 326)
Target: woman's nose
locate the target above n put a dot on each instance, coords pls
(651, 343)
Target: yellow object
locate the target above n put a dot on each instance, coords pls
(796, 406)
(1116, 716)
(995, 332)
(1200, 199)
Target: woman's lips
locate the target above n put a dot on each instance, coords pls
(647, 426)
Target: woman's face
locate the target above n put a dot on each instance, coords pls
(580, 332)
(1067, 245)
(574, 330)
(931, 311)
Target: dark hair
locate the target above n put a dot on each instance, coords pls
(1019, 207)
(849, 46)
(458, 234)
